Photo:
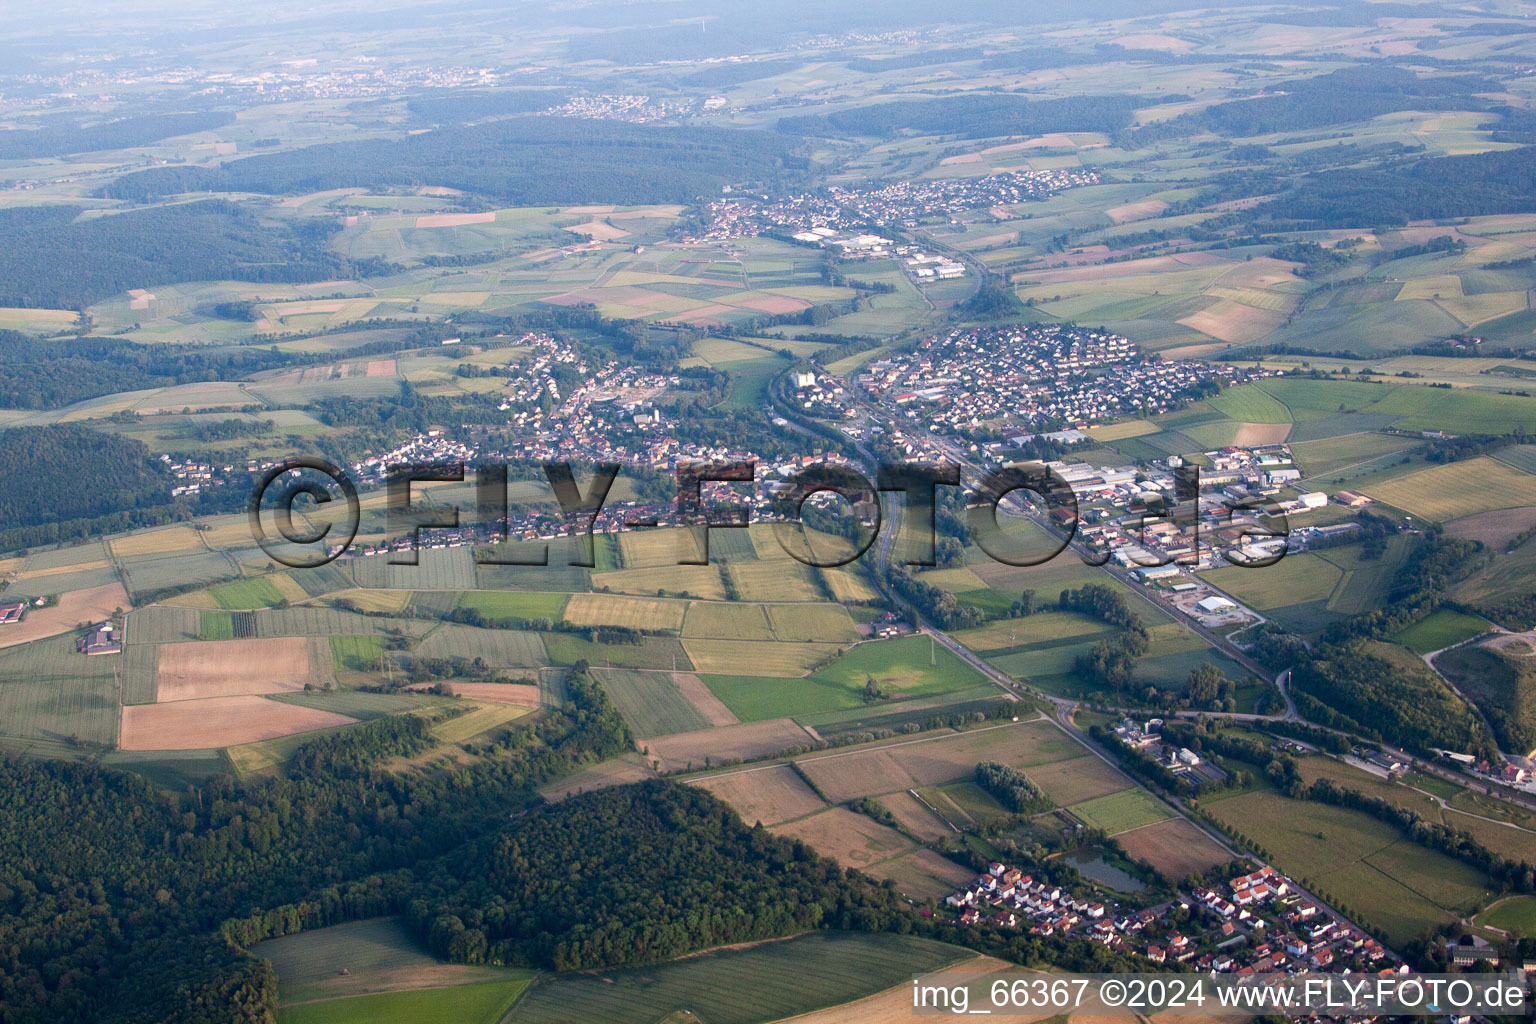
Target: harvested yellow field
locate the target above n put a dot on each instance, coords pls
(226, 668)
(817, 622)
(525, 694)
(597, 230)
(704, 700)
(757, 657)
(158, 542)
(1259, 298)
(289, 588)
(848, 587)
(1122, 431)
(1475, 309)
(852, 840)
(896, 1003)
(714, 620)
(914, 817)
(454, 298)
(773, 581)
(680, 580)
(767, 795)
(747, 740)
(72, 608)
(218, 722)
(59, 570)
(1233, 321)
(481, 720)
(228, 533)
(453, 220)
(628, 612)
(646, 549)
(1262, 433)
(1439, 286)
(1136, 211)
(922, 874)
(387, 601)
(1456, 489)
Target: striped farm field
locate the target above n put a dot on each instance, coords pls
(1318, 458)
(646, 549)
(389, 601)
(651, 702)
(770, 796)
(756, 657)
(818, 622)
(766, 981)
(641, 613)
(514, 604)
(1457, 489)
(717, 620)
(773, 581)
(248, 594)
(157, 542)
(848, 587)
(681, 580)
(501, 648)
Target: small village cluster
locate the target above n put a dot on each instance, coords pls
(1258, 923)
(847, 211)
(979, 380)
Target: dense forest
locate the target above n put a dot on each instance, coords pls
(67, 472)
(112, 893)
(610, 878)
(1411, 189)
(46, 374)
(1341, 97)
(52, 260)
(55, 139)
(521, 161)
(974, 116)
(1352, 686)
(1502, 685)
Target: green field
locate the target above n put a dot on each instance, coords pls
(719, 620)
(1444, 628)
(812, 622)
(765, 982)
(484, 1003)
(47, 690)
(507, 604)
(212, 625)
(1295, 579)
(1120, 812)
(650, 702)
(247, 594)
(1391, 883)
(652, 652)
(900, 667)
(1516, 914)
(357, 653)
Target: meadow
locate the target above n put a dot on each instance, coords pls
(1389, 882)
(762, 982)
(904, 669)
(1120, 812)
(482, 1003)
(1443, 628)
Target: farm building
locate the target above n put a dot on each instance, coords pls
(12, 612)
(104, 639)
